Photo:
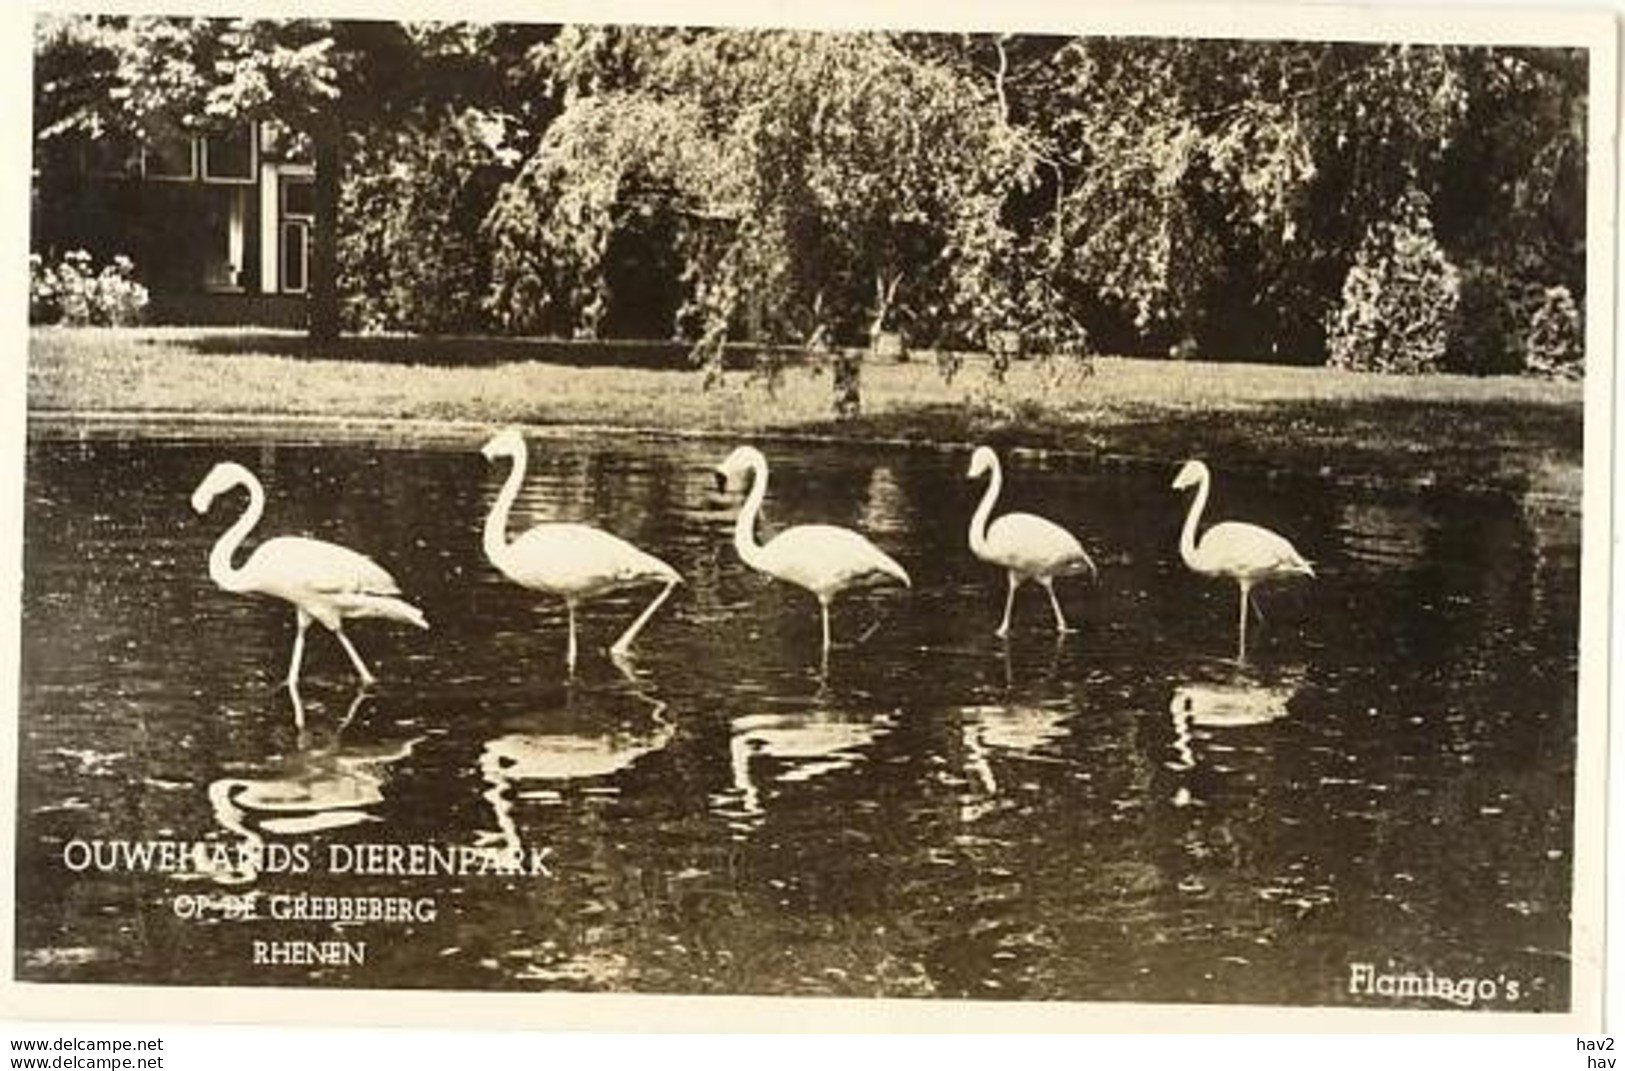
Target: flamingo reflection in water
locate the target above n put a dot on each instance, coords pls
(798, 746)
(1239, 703)
(1010, 730)
(1019, 728)
(323, 581)
(319, 787)
(534, 765)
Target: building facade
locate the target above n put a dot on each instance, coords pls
(219, 225)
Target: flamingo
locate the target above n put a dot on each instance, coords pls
(572, 561)
(822, 558)
(324, 582)
(1246, 552)
(1029, 547)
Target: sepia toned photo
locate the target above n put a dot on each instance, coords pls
(1096, 519)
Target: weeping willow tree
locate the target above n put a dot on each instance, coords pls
(814, 186)
(1215, 196)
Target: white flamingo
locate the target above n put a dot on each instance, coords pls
(1246, 552)
(322, 580)
(572, 561)
(1028, 547)
(823, 558)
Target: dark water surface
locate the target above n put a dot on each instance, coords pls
(1120, 816)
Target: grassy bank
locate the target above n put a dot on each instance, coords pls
(1514, 434)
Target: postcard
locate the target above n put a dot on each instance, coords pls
(881, 518)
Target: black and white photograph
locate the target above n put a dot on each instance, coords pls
(1101, 517)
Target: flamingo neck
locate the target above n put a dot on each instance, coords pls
(495, 538)
(221, 570)
(1187, 538)
(745, 525)
(978, 521)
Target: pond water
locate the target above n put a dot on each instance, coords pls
(1121, 815)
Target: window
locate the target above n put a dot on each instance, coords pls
(170, 157)
(223, 214)
(298, 198)
(229, 156)
(295, 255)
(112, 156)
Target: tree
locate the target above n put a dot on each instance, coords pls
(332, 81)
(1195, 169)
(818, 185)
(1194, 173)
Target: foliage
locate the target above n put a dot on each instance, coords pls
(1399, 298)
(330, 80)
(1117, 194)
(1483, 339)
(1518, 208)
(411, 255)
(830, 184)
(1555, 342)
(1196, 169)
(74, 294)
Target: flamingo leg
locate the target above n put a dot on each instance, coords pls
(624, 644)
(570, 651)
(349, 715)
(1009, 604)
(1241, 643)
(355, 657)
(303, 621)
(298, 705)
(1061, 627)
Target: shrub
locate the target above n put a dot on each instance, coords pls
(1505, 325)
(1554, 343)
(75, 294)
(1399, 298)
(1484, 338)
(42, 306)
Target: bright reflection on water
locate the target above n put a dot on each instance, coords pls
(1121, 815)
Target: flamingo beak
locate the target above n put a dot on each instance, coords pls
(722, 480)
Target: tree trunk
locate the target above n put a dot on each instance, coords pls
(847, 379)
(324, 259)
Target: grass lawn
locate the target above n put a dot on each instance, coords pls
(1519, 435)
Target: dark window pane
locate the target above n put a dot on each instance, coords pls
(112, 155)
(294, 239)
(170, 157)
(298, 197)
(230, 155)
